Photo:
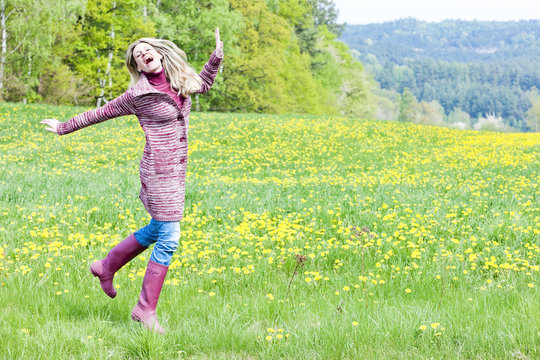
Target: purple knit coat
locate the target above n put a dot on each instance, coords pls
(163, 165)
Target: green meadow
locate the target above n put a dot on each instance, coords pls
(304, 237)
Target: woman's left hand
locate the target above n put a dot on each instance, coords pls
(219, 45)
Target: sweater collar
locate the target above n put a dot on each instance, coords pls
(158, 78)
(143, 87)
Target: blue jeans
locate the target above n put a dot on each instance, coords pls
(165, 234)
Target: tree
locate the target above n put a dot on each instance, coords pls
(268, 73)
(324, 12)
(533, 115)
(407, 106)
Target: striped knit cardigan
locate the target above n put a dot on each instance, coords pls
(163, 165)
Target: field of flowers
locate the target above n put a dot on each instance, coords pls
(304, 238)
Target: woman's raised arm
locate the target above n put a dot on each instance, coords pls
(211, 68)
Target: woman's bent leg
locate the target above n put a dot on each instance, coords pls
(120, 255)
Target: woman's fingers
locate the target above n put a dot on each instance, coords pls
(52, 125)
(219, 44)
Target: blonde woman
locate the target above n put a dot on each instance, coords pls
(159, 95)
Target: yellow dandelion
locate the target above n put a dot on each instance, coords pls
(355, 323)
(407, 290)
(435, 325)
(422, 327)
(211, 293)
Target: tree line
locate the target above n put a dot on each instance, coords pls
(281, 55)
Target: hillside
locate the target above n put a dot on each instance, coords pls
(478, 67)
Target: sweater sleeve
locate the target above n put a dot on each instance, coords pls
(121, 106)
(209, 72)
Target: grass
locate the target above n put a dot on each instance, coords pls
(304, 238)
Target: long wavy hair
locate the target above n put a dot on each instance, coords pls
(183, 78)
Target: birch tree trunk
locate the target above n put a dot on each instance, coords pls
(103, 82)
(3, 19)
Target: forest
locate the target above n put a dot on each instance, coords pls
(281, 56)
(461, 70)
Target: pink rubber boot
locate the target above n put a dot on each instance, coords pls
(120, 255)
(145, 310)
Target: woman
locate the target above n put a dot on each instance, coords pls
(159, 95)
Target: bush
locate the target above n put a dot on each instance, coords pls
(59, 86)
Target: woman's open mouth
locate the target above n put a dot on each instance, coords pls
(148, 60)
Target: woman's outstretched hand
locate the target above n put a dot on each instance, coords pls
(52, 125)
(219, 45)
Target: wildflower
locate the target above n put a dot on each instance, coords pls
(407, 290)
(422, 327)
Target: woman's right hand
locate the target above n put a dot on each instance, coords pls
(52, 125)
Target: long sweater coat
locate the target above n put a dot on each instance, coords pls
(163, 165)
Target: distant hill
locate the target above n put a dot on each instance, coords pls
(450, 40)
(477, 67)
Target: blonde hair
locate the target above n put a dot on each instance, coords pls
(183, 78)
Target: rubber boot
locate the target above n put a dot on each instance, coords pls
(145, 310)
(120, 255)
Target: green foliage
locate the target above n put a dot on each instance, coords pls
(281, 55)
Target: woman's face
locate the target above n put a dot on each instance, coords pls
(147, 58)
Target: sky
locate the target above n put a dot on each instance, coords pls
(377, 11)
